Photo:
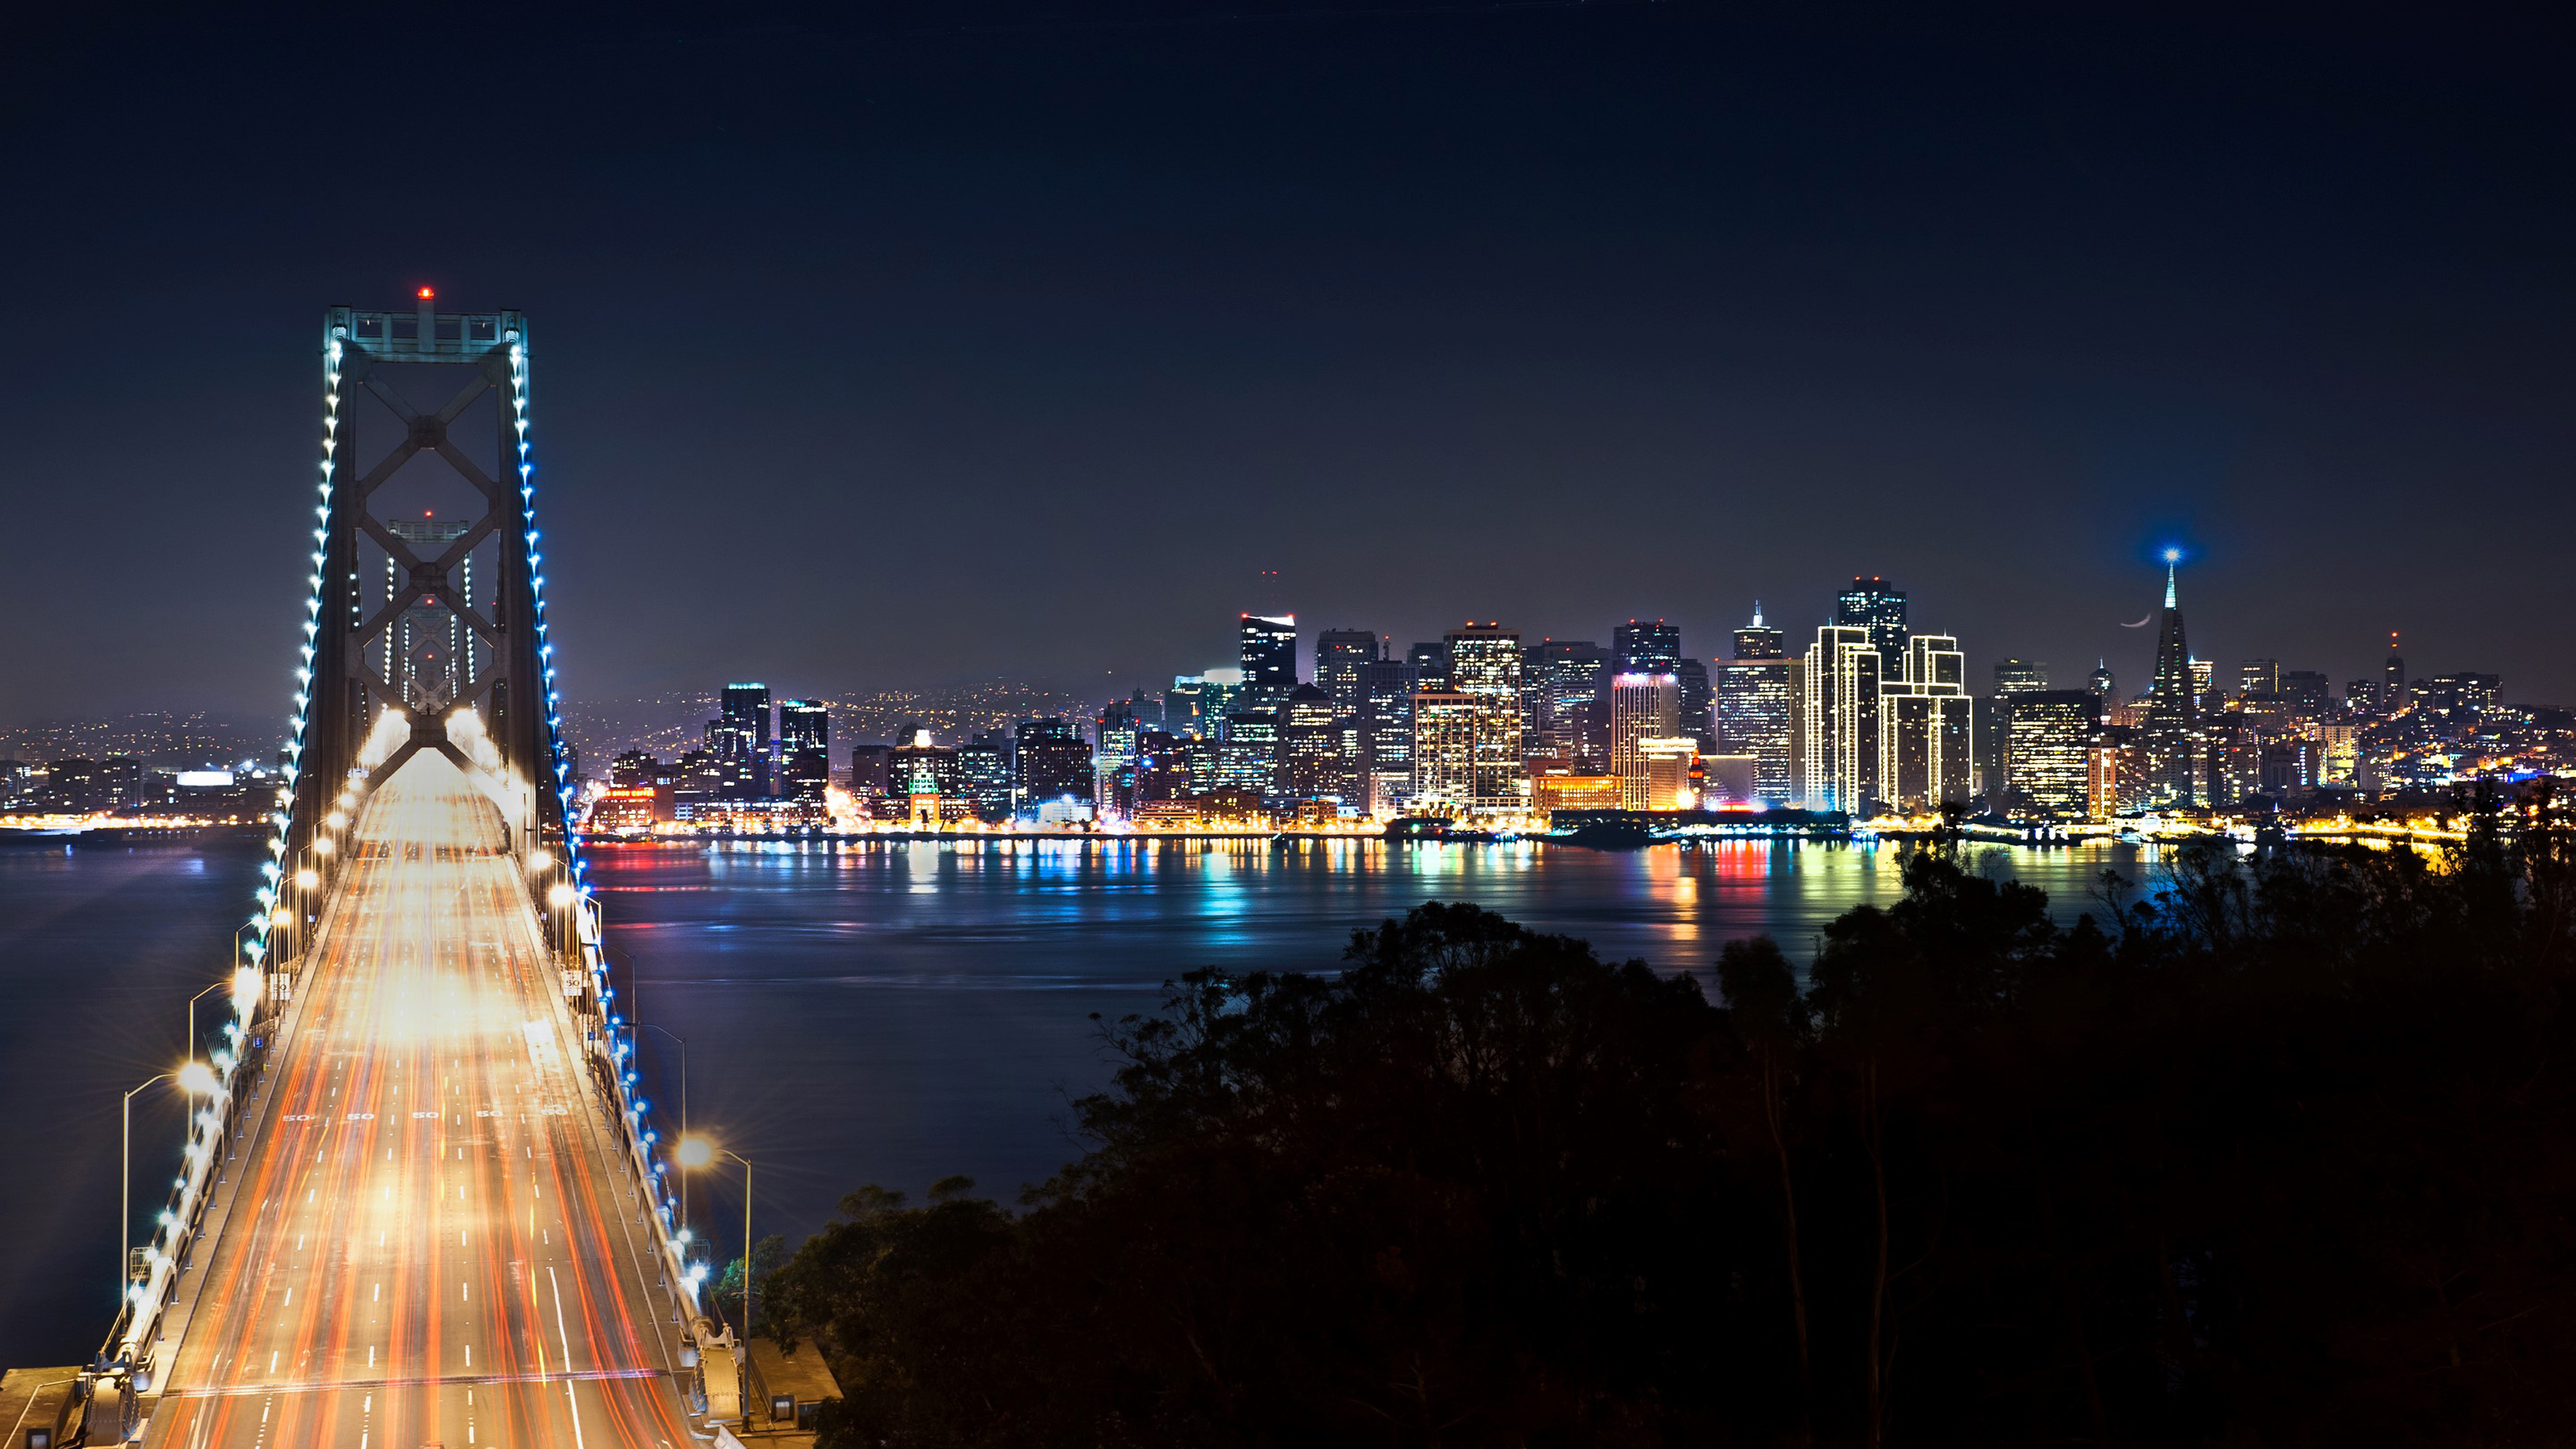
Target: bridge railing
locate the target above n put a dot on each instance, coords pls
(647, 1156)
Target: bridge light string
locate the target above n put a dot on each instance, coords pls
(577, 868)
(216, 1078)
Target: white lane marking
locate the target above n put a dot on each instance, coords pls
(272, 1360)
(462, 1292)
(564, 1335)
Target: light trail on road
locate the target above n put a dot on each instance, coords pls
(434, 1243)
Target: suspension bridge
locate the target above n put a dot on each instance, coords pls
(421, 1200)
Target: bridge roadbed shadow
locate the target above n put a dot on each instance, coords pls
(33, 1399)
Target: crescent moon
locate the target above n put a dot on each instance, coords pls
(2142, 623)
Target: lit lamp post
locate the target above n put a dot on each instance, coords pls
(233, 981)
(197, 1080)
(685, 1139)
(697, 1152)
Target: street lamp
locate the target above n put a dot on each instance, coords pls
(696, 1152)
(232, 981)
(685, 1139)
(197, 1080)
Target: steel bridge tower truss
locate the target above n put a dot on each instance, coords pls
(438, 612)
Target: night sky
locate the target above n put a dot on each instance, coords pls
(942, 344)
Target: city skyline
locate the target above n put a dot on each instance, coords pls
(1656, 339)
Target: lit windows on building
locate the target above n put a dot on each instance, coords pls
(1466, 754)
(804, 749)
(1311, 761)
(1664, 774)
(1643, 707)
(2020, 676)
(1839, 719)
(1877, 607)
(1927, 727)
(1387, 687)
(2047, 764)
(1339, 654)
(1269, 655)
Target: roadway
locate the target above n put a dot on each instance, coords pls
(432, 1244)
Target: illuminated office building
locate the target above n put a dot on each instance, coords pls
(1664, 768)
(1386, 690)
(1638, 647)
(1050, 763)
(2048, 762)
(1838, 716)
(1757, 709)
(804, 749)
(1311, 762)
(1927, 727)
(1430, 661)
(1466, 753)
(739, 735)
(1877, 606)
(1269, 660)
(1642, 707)
(1339, 653)
(1561, 685)
(983, 777)
(2020, 676)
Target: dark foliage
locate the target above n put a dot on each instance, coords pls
(2285, 1154)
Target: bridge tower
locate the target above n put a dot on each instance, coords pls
(428, 583)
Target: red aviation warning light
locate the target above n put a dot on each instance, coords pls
(428, 293)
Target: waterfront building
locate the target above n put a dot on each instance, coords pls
(1339, 653)
(740, 736)
(1385, 720)
(1269, 655)
(1927, 727)
(1049, 762)
(1875, 605)
(1466, 753)
(1727, 781)
(872, 777)
(2046, 764)
(1664, 774)
(1839, 719)
(1555, 786)
(1247, 752)
(1757, 710)
(633, 768)
(1311, 762)
(984, 777)
(1642, 707)
(804, 749)
(2169, 731)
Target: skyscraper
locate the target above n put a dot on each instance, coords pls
(2049, 758)
(1484, 659)
(805, 748)
(1878, 606)
(1561, 688)
(1642, 648)
(2392, 678)
(1311, 764)
(1339, 653)
(1050, 762)
(2168, 731)
(739, 735)
(1757, 709)
(1642, 707)
(1387, 687)
(1698, 696)
(1839, 719)
(1927, 727)
(1269, 660)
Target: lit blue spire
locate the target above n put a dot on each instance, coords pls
(2173, 556)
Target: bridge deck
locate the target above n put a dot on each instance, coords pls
(432, 1244)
